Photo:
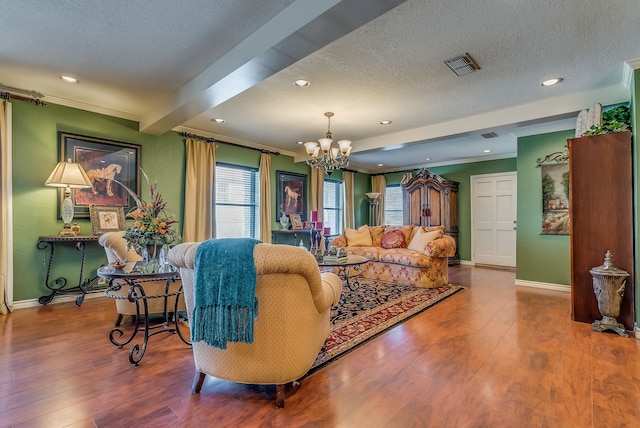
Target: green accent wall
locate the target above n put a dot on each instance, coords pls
(540, 258)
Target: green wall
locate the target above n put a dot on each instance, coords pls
(462, 174)
(35, 211)
(540, 258)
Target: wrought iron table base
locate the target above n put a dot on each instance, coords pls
(137, 295)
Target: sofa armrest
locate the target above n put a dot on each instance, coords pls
(339, 241)
(441, 247)
(332, 290)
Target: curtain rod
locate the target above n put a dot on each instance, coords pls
(8, 96)
(213, 140)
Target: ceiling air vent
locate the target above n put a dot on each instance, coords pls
(489, 135)
(462, 65)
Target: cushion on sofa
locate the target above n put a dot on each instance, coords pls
(407, 230)
(372, 253)
(425, 229)
(358, 238)
(393, 239)
(406, 257)
(422, 238)
(377, 233)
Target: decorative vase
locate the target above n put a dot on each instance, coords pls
(608, 286)
(284, 221)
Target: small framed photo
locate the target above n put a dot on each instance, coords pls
(106, 218)
(296, 221)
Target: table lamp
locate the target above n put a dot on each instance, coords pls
(68, 175)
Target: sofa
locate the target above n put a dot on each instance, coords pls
(410, 255)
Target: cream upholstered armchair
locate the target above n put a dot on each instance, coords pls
(115, 246)
(294, 301)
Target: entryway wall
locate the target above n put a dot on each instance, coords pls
(494, 219)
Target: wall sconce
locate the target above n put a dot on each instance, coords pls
(68, 175)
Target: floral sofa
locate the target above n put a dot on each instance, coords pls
(411, 255)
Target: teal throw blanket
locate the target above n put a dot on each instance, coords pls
(224, 287)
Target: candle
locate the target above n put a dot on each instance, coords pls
(314, 215)
(327, 231)
(318, 225)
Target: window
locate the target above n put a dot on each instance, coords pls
(237, 202)
(393, 213)
(332, 214)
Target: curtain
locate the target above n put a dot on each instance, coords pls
(406, 177)
(317, 192)
(265, 198)
(199, 199)
(379, 184)
(6, 223)
(348, 214)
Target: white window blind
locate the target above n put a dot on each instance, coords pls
(237, 202)
(332, 214)
(393, 214)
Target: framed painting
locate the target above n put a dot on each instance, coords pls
(291, 194)
(107, 163)
(555, 198)
(106, 218)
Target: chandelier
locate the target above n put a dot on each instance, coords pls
(326, 156)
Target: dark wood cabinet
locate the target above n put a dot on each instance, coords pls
(430, 200)
(601, 218)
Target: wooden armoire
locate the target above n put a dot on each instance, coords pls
(601, 219)
(430, 200)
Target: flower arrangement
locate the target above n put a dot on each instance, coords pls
(151, 222)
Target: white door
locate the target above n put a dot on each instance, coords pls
(493, 217)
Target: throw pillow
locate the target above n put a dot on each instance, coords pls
(421, 239)
(376, 235)
(393, 239)
(358, 238)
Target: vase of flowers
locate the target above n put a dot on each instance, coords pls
(151, 229)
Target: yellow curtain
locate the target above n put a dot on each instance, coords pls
(199, 200)
(317, 192)
(6, 223)
(265, 198)
(348, 214)
(379, 184)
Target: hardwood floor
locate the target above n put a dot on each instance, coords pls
(493, 355)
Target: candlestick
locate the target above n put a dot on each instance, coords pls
(327, 231)
(319, 225)
(314, 215)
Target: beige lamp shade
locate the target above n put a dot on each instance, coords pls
(69, 174)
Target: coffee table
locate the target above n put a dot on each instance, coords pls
(133, 276)
(349, 271)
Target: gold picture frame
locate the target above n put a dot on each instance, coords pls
(296, 221)
(105, 218)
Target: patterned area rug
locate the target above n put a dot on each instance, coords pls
(371, 309)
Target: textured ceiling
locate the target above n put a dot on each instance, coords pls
(176, 65)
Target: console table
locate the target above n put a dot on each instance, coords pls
(292, 237)
(59, 285)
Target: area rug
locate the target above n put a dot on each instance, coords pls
(369, 310)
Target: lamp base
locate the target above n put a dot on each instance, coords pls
(67, 231)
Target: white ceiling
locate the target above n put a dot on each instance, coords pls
(176, 65)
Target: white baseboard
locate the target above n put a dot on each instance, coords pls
(466, 262)
(544, 285)
(33, 303)
(637, 332)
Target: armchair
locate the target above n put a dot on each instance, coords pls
(115, 246)
(294, 301)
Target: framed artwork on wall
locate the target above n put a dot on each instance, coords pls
(555, 198)
(106, 219)
(106, 162)
(291, 194)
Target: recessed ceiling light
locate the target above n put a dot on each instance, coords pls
(380, 164)
(551, 82)
(301, 83)
(428, 159)
(217, 120)
(385, 122)
(487, 151)
(300, 142)
(68, 79)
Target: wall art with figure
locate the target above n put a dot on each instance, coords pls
(291, 194)
(104, 161)
(555, 199)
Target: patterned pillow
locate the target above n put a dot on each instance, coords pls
(421, 239)
(393, 238)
